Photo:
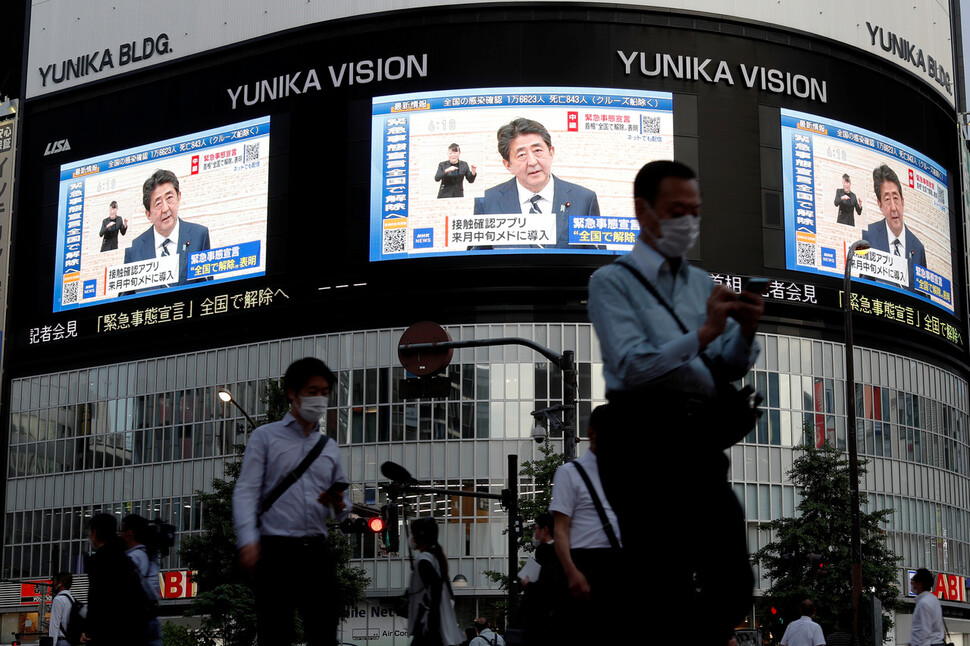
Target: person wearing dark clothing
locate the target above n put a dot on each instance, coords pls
(671, 340)
(891, 234)
(848, 202)
(452, 173)
(549, 592)
(111, 227)
(114, 616)
(134, 534)
(841, 635)
(470, 634)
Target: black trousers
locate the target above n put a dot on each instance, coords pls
(666, 480)
(588, 621)
(296, 574)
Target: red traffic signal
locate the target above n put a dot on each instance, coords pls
(358, 525)
(375, 524)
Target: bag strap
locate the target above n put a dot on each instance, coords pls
(607, 525)
(660, 299)
(74, 602)
(292, 476)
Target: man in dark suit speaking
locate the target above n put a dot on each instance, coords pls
(892, 235)
(169, 234)
(527, 152)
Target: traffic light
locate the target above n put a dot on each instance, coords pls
(390, 536)
(375, 524)
(816, 565)
(777, 615)
(358, 525)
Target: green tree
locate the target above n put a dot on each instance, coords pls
(225, 600)
(823, 527)
(540, 472)
(176, 635)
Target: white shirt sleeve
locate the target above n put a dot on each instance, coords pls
(60, 612)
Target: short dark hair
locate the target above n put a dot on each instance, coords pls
(303, 370)
(647, 183)
(517, 127)
(158, 178)
(845, 176)
(925, 578)
(545, 519)
(880, 176)
(113, 205)
(104, 526)
(138, 525)
(807, 608)
(424, 530)
(454, 147)
(65, 578)
(601, 418)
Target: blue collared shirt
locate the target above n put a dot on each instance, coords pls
(272, 452)
(641, 343)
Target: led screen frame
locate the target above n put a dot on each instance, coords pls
(816, 153)
(600, 139)
(223, 176)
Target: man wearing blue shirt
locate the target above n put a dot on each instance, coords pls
(288, 541)
(657, 379)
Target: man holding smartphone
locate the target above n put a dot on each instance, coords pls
(281, 529)
(669, 337)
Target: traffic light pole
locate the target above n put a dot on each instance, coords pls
(566, 362)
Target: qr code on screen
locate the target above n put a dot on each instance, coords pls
(394, 241)
(805, 254)
(650, 125)
(69, 294)
(252, 151)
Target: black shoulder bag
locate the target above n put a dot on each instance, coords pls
(732, 413)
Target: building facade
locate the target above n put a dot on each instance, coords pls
(306, 144)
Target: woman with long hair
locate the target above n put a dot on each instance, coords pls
(431, 615)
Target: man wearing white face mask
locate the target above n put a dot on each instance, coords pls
(283, 497)
(656, 315)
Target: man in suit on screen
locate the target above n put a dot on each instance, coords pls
(527, 152)
(169, 234)
(891, 234)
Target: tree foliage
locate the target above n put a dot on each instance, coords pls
(225, 601)
(540, 473)
(823, 527)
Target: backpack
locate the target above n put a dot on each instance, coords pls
(75, 622)
(144, 602)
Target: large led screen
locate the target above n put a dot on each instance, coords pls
(169, 215)
(844, 183)
(441, 187)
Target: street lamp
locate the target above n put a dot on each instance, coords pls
(859, 247)
(227, 398)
